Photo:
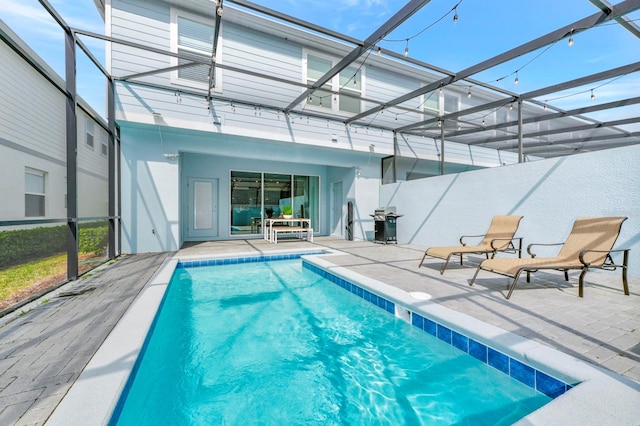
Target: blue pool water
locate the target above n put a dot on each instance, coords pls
(275, 343)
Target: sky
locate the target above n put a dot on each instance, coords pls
(484, 29)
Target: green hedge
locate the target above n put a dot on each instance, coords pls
(28, 245)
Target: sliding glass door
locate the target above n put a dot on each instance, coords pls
(256, 196)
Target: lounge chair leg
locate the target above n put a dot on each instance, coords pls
(473, 280)
(581, 282)
(625, 284)
(460, 259)
(566, 275)
(422, 261)
(446, 262)
(513, 285)
(528, 276)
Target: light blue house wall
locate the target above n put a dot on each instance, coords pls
(154, 193)
(550, 194)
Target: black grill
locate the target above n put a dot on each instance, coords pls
(385, 226)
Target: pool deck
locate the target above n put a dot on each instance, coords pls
(45, 345)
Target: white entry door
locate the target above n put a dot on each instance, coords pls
(337, 221)
(203, 208)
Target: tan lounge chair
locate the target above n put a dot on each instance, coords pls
(499, 237)
(589, 245)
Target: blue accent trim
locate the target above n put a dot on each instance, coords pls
(444, 334)
(524, 373)
(236, 260)
(548, 385)
(498, 360)
(460, 341)
(478, 350)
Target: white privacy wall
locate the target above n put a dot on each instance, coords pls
(550, 194)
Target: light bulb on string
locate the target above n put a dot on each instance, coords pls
(570, 43)
(593, 97)
(545, 106)
(379, 50)
(469, 93)
(406, 49)
(511, 106)
(455, 14)
(516, 81)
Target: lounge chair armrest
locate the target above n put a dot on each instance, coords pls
(470, 236)
(506, 239)
(532, 254)
(583, 252)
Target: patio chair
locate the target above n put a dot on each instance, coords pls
(588, 246)
(499, 238)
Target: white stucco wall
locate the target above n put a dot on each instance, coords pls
(550, 194)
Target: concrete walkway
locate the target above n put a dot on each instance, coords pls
(43, 350)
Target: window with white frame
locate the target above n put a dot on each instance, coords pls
(451, 102)
(192, 36)
(34, 197)
(104, 140)
(90, 133)
(341, 93)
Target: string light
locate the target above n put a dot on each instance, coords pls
(593, 97)
(459, 126)
(545, 106)
(516, 81)
(483, 122)
(455, 19)
(511, 106)
(571, 38)
(379, 50)
(469, 93)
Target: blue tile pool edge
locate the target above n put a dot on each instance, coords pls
(243, 259)
(530, 376)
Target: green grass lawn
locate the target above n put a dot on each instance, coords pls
(18, 278)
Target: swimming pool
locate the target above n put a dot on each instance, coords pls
(93, 397)
(301, 350)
